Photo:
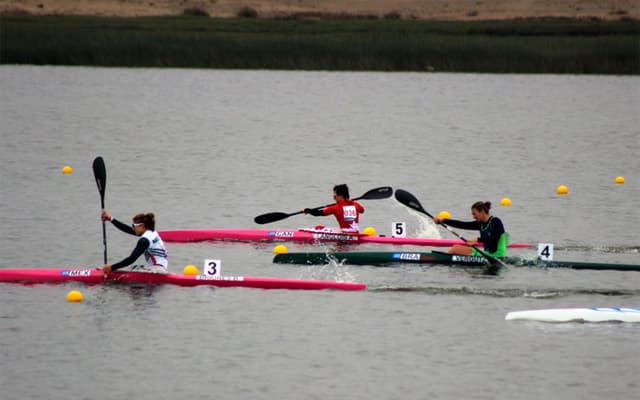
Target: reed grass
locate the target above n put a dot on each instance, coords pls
(517, 46)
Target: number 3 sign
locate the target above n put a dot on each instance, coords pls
(212, 267)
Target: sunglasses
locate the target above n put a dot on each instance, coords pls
(133, 226)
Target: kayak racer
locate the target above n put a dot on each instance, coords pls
(347, 212)
(150, 244)
(492, 234)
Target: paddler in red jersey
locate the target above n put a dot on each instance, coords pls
(346, 211)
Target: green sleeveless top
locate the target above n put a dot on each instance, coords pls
(501, 251)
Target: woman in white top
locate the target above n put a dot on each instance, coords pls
(150, 244)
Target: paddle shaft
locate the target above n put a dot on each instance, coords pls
(451, 230)
(104, 237)
(325, 206)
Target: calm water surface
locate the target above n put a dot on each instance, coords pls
(213, 149)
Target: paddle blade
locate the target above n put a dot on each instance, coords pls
(100, 173)
(410, 201)
(270, 217)
(377, 193)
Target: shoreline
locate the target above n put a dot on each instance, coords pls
(435, 10)
(523, 46)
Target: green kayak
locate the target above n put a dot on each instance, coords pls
(391, 258)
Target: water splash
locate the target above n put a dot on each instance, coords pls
(425, 226)
(335, 270)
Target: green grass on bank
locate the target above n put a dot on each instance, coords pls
(519, 46)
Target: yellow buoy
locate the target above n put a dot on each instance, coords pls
(74, 296)
(190, 270)
(619, 180)
(562, 189)
(444, 215)
(280, 249)
(505, 202)
(67, 169)
(370, 231)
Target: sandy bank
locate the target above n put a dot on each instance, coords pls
(415, 9)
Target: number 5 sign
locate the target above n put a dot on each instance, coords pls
(398, 229)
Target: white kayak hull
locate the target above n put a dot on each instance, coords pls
(596, 314)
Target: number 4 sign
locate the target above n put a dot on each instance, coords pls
(212, 267)
(545, 251)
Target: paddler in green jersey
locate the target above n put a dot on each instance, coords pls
(492, 234)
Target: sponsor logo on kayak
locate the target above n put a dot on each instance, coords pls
(407, 256)
(335, 236)
(76, 272)
(285, 234)
(219, 278)
(468, 259)
(617, 309)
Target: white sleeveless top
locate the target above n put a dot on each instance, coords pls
(156, 254)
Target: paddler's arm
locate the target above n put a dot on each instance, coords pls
(314, 211)
(470, 225)
(123, 227)
(143, 244)
(120, 225)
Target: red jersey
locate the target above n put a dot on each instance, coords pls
(347, 214)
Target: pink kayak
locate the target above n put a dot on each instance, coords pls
(94, 277)
(302, 235)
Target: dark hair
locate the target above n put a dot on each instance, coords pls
(342, 190)
(482, 206)
(148, 219)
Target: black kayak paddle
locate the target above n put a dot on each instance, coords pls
(100, 173)
(373, 194)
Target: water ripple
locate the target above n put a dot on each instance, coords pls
(545, 293)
